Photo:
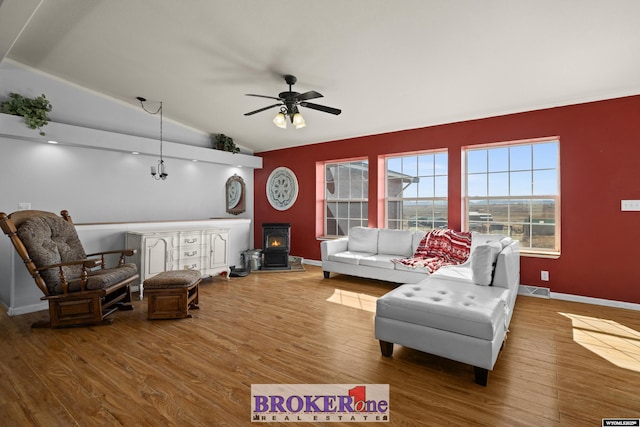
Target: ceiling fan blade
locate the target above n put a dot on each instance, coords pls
(263, 96)
(261, 109)
(312, 94)
(323, 108)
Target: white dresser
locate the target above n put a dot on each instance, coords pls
(206, 250)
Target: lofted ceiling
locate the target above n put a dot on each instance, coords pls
(389, 65)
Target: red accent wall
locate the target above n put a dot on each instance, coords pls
(599, 166)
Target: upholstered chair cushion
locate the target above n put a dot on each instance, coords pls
(51, 240)
(101, 278)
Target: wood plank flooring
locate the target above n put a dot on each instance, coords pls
(564, 364)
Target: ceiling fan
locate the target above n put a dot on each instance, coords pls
(289, 102)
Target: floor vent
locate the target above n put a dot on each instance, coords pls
(534, 291)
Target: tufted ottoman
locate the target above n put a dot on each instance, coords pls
(460, 321)
(171, 294)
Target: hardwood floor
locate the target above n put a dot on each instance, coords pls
(564, 364)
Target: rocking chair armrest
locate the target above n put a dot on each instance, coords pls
(87, 263)
(125, 252)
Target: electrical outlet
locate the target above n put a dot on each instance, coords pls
(544, 276)
(630, 205)
(24, 206)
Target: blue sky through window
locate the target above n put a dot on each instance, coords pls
(518, 170)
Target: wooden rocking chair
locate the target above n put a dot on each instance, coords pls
(79, 288)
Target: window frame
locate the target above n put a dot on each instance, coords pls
(539, 251)
(431, 199)
(364, 200)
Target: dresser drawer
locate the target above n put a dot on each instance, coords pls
(189, 265)
(190, 239)
(187, 252)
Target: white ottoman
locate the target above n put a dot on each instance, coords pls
(460, 321)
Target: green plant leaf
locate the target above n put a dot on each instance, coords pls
(33, 110)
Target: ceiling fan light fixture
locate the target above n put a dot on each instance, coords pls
(288, 102)
(280, 120)
(298, 121)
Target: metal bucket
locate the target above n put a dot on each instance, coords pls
(252, 259)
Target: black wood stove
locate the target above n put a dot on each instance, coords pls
(276, 242)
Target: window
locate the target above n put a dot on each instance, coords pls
(416, 191)
(514, 190)
(345, 196)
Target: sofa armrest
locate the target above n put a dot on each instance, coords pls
(330, 247)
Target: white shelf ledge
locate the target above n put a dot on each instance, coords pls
(78, 136)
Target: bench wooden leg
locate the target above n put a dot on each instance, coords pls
(326, 274)
(386, 348)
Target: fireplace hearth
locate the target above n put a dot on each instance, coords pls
(276, 241)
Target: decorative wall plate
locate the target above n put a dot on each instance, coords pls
(235, 191)
(236, 195)
(282, 188)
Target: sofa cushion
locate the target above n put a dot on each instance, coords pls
(349, 257)
(395, 242)
(483, 260)
(413, 268)
(378, 261)
(363, 239)
(459, 273)
(430, 264)
(456, 307)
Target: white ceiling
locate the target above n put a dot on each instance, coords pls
(389, 65)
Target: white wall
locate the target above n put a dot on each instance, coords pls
(104, 186)
(97, 185)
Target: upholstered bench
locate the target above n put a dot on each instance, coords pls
(459, 321)
(171, 294)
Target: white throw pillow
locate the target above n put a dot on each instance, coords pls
(483, 259)
(363, 239)
(506, 242)
(395, 242)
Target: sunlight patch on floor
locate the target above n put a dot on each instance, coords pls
(610, 340)
(354, 299)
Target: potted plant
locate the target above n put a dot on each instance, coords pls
(225, 143)
(34, 110)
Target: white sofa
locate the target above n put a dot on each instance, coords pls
(459, 312)
(367, 252)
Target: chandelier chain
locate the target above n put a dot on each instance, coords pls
(161, 171)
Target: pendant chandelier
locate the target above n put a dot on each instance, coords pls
(159, 171)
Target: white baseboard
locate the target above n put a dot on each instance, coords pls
(312, 262)
(27, 309)
(595, 301)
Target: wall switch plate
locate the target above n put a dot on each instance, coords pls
(630, 205)
(544, 276)
(24, 206)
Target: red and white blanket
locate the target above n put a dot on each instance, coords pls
(439, 248)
